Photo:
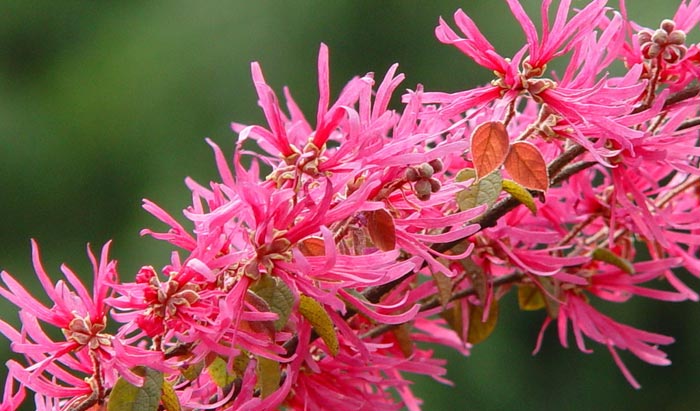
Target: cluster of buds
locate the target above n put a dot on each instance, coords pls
(424, 184)
(666, 43)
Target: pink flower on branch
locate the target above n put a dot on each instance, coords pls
(88, 350)
(585, 320)
(312, 273)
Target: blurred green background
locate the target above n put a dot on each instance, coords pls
(105, 103)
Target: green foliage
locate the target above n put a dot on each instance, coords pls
(483, 191)
(128, 397)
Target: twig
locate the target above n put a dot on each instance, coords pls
(435, 302)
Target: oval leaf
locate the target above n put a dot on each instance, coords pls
(240, 363)
(192, 371)
(604, 254)
(527, 167)
(269, 376)
(465, 174)
(219, 373)
(403, 338)
(479, 331)
(312, 246)
(552, 289)
(127, 397)
(489, 147)
(444, 287)
(278, 297)
(313, 311)
(381, 229)
(530, 298)
(478, 277)
(169, 399)
(521, 194)
(484, 191)
(453, 316)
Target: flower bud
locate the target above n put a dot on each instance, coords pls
(425, 170)
(668, 25)
(651, 50)
(644, 36)
(660, 37)
(435, 184)
(677, 37)
(436, 165)
(411, 174)
(422, 188)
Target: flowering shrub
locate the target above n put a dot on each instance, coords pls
(320, 264)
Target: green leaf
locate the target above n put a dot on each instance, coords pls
(192, 371)
(128, 397)
(478, 330)
(240, 363)
(269, 376)
(277, 295)
(530, 298)
(489, 147)
(169, 399)
(465, 174)
(521, 194)
(219, 373)
(484, 191)
(604, 254)
(313, 311)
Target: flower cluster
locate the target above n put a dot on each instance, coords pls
(318, 268)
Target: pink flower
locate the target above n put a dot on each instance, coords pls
(585, 320)
(88, 350)
(11, 400)
(521, 72)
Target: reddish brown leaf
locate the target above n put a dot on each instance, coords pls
(312, 246)
(444, 286)
(526, 166)
(403, 338)
(489, 147)
(381, 229)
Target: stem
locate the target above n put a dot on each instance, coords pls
(685, 94)
(572, 169)
(689, 123)
(510, 113)
(651, 87)
(577, 229)
(690, 182)
(434, 302)
(83, 403)
(565, 158)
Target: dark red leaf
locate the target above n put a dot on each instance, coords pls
(381, 229)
